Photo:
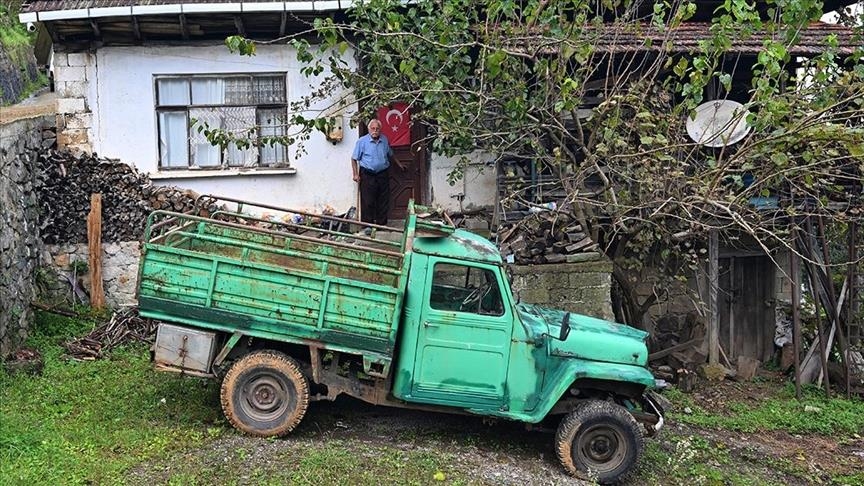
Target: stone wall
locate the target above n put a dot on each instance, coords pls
(20, 141)
(582, 287)
(119, 269)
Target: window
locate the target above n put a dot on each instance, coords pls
(251, 106)
(465, 289)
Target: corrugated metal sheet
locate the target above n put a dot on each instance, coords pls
(50, 5)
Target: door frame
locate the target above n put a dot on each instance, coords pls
(507, 318)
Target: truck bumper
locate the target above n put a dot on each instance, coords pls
(651, 417)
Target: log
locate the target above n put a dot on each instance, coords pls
(672, 349)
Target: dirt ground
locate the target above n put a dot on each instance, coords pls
(503, 453)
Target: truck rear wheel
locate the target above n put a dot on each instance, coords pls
(599, 441)
(265, 394)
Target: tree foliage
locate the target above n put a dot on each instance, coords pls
(599, 94)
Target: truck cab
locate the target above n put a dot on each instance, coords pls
(466, 342)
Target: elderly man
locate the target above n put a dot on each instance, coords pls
(370, 162)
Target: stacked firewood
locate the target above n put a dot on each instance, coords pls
(544, 237)
(124, 327)
(68, 180)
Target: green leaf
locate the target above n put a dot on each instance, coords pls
(494, 61)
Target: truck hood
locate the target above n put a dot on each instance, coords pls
(590, 338)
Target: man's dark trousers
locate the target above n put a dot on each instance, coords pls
(374, 196)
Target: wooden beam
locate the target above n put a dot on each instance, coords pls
(52, 32)
(95, 26)
(852, 306)
(136, 29)
(796, 316)
(184, 27)
(238, 22)
(713, 308)
(821, 333)
(671, 349)
(94, 245)
(733, 294)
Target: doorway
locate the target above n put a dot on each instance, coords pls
(412, 183)
(746, 301)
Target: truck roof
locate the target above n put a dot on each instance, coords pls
(461, 244)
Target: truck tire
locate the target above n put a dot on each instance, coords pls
(599, 441)
(265, 394)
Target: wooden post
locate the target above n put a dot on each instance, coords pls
(852, 306)
(94, 245)
(796, 317)
(814, 290)
(713, 309)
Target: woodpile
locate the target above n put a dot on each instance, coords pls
(124, 327)
(67, 181)
(678, 351)
(544, 237)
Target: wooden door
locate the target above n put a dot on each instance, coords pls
(746, 301)
(410, 183)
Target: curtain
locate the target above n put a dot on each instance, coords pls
(272, 123)
(269, 89)
(204, 154)
(173, 91)
(240, 120)
(238, 91)
(172, 139)
(208, 91)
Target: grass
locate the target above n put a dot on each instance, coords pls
(814, 414)
(87, 422)
(693, 459)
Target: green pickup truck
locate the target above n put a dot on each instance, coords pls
(285, 313)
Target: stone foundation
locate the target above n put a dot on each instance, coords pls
(119, 269)
(582, 287)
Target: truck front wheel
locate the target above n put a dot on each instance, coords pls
(599, 441)
(265, 394)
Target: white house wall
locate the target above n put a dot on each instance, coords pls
(121, 96)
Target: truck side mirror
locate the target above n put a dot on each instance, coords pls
(565, 327)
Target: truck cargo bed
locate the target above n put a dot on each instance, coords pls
(274, 280)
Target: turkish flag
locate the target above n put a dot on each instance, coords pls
(396, 124)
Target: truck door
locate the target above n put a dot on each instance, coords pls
(463, 343)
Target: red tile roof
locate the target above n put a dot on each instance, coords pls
(685, 39)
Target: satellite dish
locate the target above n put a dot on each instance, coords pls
(718, 123)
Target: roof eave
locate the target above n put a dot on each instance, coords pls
(183, 8)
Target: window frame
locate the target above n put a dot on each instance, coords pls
(160, 108)
(496, 280)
